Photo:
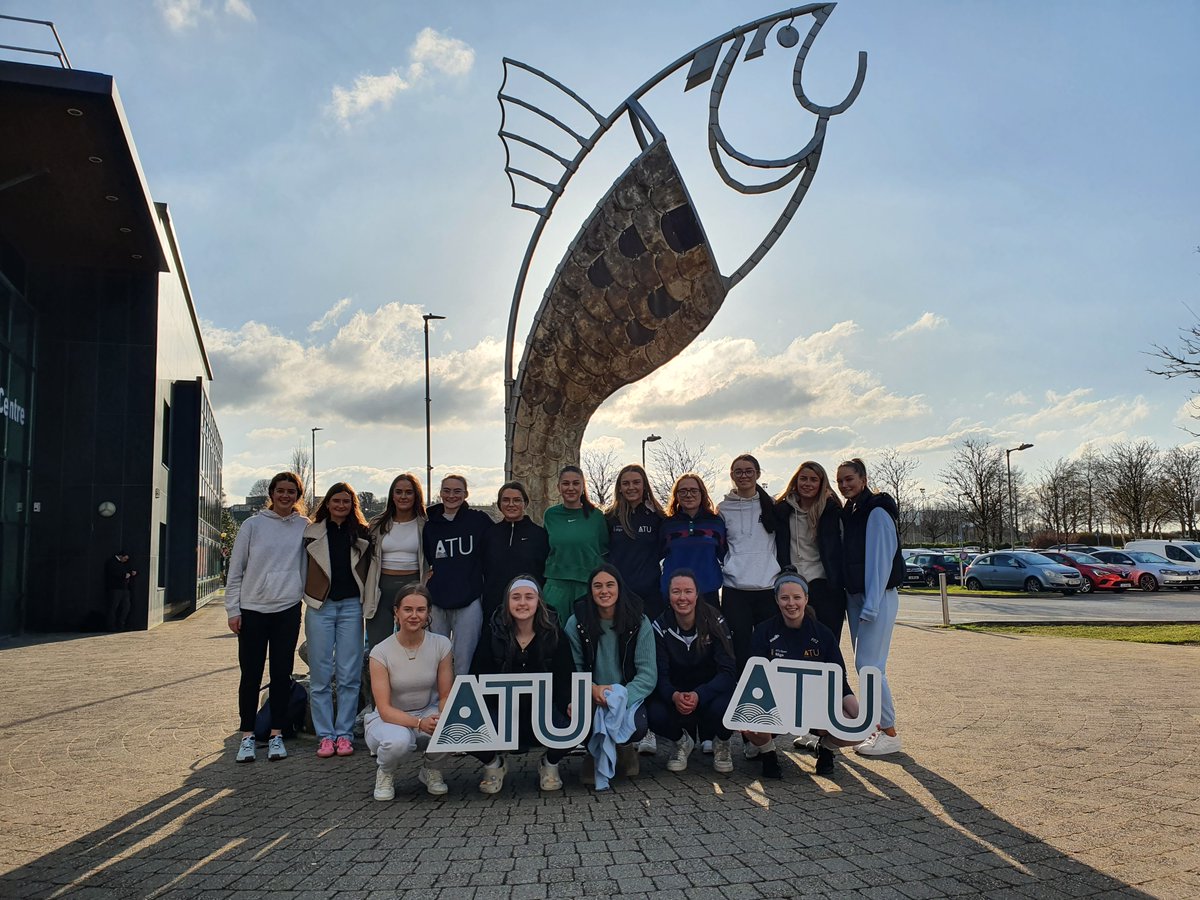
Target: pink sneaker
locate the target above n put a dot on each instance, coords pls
(325, 748)
(344, 746)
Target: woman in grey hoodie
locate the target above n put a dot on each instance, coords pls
(750, 566)
(262, 601)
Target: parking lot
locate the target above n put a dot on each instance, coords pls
(1100, 606)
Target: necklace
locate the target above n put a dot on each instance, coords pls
(411, 654)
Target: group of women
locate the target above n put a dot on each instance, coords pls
(662, 607)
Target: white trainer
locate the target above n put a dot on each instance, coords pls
(722, 757)
(806, 741)
(432, 779)
(246, 751)
(549, 778)
(493, 776)
(679, 757)
(648, 746)
(385, 785)
(879, 744)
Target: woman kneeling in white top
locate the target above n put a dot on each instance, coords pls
(411, 676)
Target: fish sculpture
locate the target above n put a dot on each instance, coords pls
(639, 281)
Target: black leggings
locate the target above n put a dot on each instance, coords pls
(743, 610)
(829, 605)
(261, 631)
(705, 722)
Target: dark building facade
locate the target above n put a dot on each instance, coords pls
(109, 440)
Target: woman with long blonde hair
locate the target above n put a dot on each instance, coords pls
(808, 538)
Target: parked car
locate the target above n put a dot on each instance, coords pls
(1082, 548)
(1149, 570)
(1096, 575)
(1186, 552)
(910, 552)
(933, 564)
(913, 574)
(1022, 570)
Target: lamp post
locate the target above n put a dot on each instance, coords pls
(921, 512)
(1012, 508)
(648, 439)
(428, 317)
(314, 465)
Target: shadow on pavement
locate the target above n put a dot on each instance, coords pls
(881, 828)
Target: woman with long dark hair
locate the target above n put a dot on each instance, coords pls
(338, 550)
(696, 675)
(614, 641)
(635, 520)
(578, 536)
(693, 537)
(809, 541)
(874, 569)
(795, 633)
(397, 558)
(516, 545)
(523, 636)
(750, 566)
(262, 602)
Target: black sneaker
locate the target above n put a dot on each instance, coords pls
(770, 765)
(824, 760)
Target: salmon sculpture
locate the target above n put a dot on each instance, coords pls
(639, 281)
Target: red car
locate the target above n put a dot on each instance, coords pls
(1096, 575)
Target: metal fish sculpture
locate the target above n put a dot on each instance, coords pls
(639, 281)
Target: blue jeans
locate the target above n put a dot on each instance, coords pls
(335, 643)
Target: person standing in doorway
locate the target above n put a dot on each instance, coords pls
(118, 578)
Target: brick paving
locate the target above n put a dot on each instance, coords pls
(1068, 769)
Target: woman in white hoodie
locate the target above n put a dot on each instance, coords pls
(262, 601)
(750, 566)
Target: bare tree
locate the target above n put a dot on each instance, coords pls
(1131, 473)
(370, 504)
(672, 457)
(259, 488)
(1059, 497)
(1183, 361)
(600, 470)
(892, 472)
(1181, 486)
(1093, 506)
(976, 474)
(300, 462)
(939, 520)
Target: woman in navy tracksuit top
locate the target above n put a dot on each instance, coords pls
(693, 537)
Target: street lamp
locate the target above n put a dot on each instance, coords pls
(428, 317)
(648, 439)
(314, 466)
(1012, 508)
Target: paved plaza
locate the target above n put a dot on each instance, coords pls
(1034, 767)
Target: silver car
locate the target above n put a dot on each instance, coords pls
(1019, 570)
(1149, 570)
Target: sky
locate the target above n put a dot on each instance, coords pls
(1002, 226)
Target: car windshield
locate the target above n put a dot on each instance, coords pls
(1086, 558)
(1143, 557)
(946, 560)
(1034, 559)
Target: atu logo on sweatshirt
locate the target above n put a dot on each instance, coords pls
(791, 696)
(466, 723)
(455, 546)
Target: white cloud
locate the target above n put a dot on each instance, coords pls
(181, 14)
(1020, 398)
(947, 439)
(927, 322)
(431, 52)
(807, 440)
(330, 317)
(241, 9)
(1066, 410)
(270, 434)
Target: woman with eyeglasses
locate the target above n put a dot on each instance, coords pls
(693, 537)
(752, 563)
(453, 547)
(578, 535)
(516, 545)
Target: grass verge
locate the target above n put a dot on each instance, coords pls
(1142, 634)
(955, 590)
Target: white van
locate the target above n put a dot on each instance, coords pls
(1181, 551)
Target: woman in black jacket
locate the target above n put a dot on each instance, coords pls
(696, 675)
(523, 636)
(808, 539)
(516, 545)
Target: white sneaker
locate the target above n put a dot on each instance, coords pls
(648, 746)
(246, 751)
(548, 777)
(806, 741)
(432, 779)
(879, 744)
(683, 749)
(722, 757)
(493, 777)
(385, 786)
(275, 748)
(706, 747)
(750, 751)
